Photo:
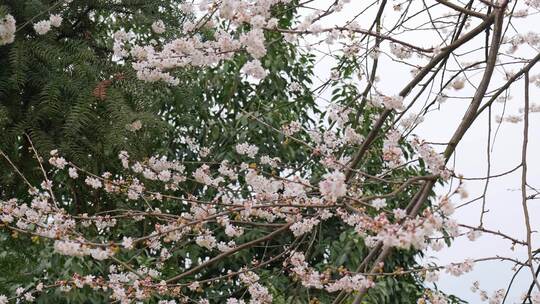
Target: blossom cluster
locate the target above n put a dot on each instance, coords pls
(7, 29)
(44, 26)
(219, 223)
(314, 279)
(155, 64)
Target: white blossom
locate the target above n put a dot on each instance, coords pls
(55, 20)
(255, 69)
(333, 186)
(42, 27)
(158, 27)
(7, 29)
